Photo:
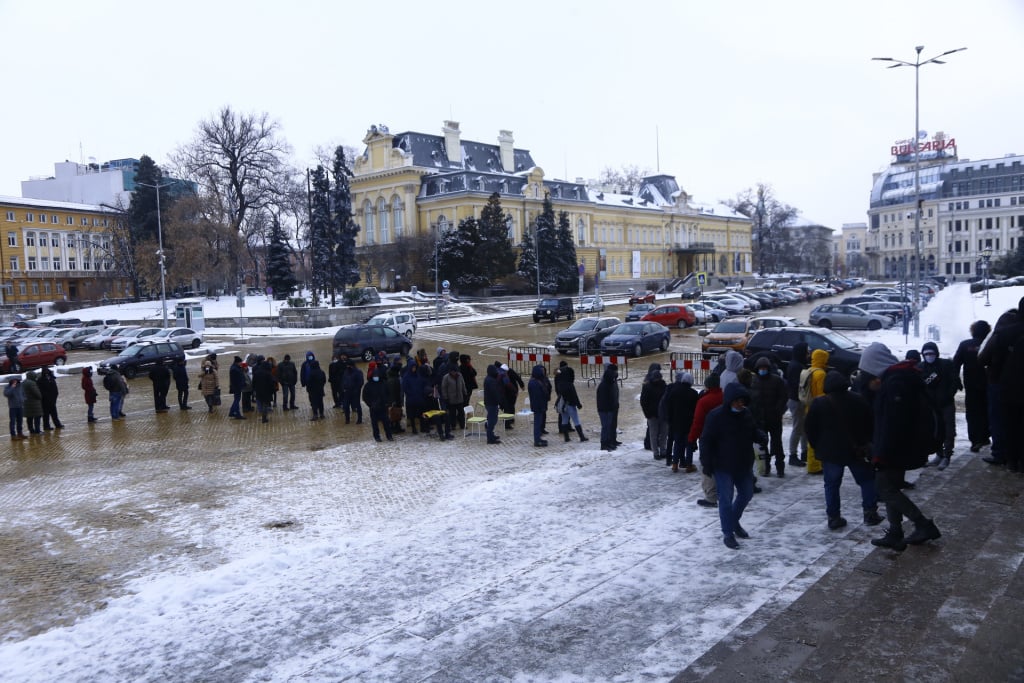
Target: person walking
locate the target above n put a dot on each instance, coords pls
(677, 409)
(160, 376)
(334, 372)
(797, 438)
(540, 395)
(89, 393)
(316, 381)
(975, 385)
(48, 388)
(304, 369)
(351, 388)
(288, 376)
(707, 401)
(15, 394)
(768, 399)
(607, 400)
(262, 387)
(942, 381)
(12, 357)
(236, 385)
(568, 411)
(117, 390)
(651, 392)
(33, 403)
(209, 385)
(492, 403)
(812, 385)
(726, 455)
(453, 398)
(906, 432)
(375, 397)
(839, 427)
(180, 374)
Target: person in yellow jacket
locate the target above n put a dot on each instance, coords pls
(812, 385)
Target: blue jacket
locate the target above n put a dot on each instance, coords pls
(726, 443)
(540, 390)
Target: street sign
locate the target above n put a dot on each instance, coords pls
(445, 284)
(702, 279)
(582, 269)
(270, 290)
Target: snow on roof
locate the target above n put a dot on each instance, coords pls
(620, 200)
(49, 204)
(802, 221)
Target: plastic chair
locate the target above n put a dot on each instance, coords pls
(477, 424)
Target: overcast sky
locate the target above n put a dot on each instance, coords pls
(722, 95)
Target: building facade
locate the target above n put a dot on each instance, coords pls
(848, 250)
(54, 251)
(968, 209)
(409, 187)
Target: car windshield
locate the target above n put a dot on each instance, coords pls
(630, 328)
(730, 326)
(583, 324)
(838, 340)
(549, 302)
(129, 351)
(164, 333)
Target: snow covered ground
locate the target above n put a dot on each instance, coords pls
(575, 566)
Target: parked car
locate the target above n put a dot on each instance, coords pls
(728, 334)
(590, 304)
(838, 315)
(185, 337)
(364, 341)
(32, 355)
(894, 311)
(672, 315)
(638, 311)
(862, 299)
(65, 322)
(713, 313)
(844, 354)
(689, 292)
(553, 308)
(587, 332)
(765, 321)
(647, 297)
(74, 337)
(132, 336)
(637, 338)
(734, 306)
(699, 315)
(404, 323)
(102, 339)
(102, 322)
(142, 357)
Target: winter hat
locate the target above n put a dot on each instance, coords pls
(876, 359)
(762, 362)
(684, 377)
(287, 356)
(930, 346)
(713, 382)
(238, 359)
(836, 382)
(914, 355)
(563, 364)
(440, 350)
(504, 366)
(309, 355)
(87, 370)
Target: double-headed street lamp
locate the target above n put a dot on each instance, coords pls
(917, 64)
(160, 240)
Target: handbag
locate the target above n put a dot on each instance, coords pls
(395, 413)
(216, 396)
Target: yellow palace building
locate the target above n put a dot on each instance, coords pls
(408, 187)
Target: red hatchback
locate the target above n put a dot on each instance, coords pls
(32, 355)
(641, 298)
(672, 315)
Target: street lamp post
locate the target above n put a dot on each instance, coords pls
(986, 259)
(917, 64)
(160, 251)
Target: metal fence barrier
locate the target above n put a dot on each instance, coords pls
(523, 358)
(692, 362)
(592, 367)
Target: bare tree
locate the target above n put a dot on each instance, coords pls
(770, 217)
(626, 180)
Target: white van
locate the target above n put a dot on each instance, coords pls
(405, 323)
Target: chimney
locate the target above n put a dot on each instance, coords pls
(452, 144)
(508, 157)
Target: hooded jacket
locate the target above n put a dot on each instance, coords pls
(316, 379)
(939, 376)
(414, 386)
(15, 394)
(33, 397)
(492, 388)
(796, 366)
(651, 393)
(906, 430)
(306, 365)
(48, 387)
(678, 405)
(768, 397)
(608, 390)
(726, 443)
(565, 386)
(733, 364)
(815, 374)
(539, 390)
(839, 422)
(375, 393)
(966, 357)
(88, 388)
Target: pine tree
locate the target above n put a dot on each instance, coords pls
(280, 276)
(527, 268)
(346, 265)
(494, 256)
(320, 243)
(468, 269)
(142, 210)
(568, 270)
(547, 247)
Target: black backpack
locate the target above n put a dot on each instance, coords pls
(110, 383)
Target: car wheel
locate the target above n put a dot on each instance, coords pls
(827, 324)
(408, 334)
(195, 343)
(874, 325)
(60, 361)
(681, 324)
(664, 343)
(68, 346)
(638, 350)
(536, 319)
(129, 372)
(368, 355)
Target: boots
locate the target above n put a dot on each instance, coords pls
(924, 530)
(795, 461)
(780, 467)
(872, 518)
(566, 431)
(579, 430)
(893, 539)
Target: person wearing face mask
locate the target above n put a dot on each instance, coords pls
(375, 396)
(209, 385)
(942, 382)
(727, 456)
(768, 399)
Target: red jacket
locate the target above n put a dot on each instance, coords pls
(88, 389)
(705, 404)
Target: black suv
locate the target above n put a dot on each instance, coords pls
(552, 309)
(844, 354)
(142, 356)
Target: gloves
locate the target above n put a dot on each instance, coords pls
(693, 445)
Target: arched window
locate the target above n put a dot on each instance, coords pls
(368, 219)
(442, 224)
(581, 232)
(510, 227)
(382, 217)
(398, 214)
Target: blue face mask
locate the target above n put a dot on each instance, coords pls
(736, 410)
(763, 372)
(376, 379)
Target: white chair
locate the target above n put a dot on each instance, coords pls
(477, 424)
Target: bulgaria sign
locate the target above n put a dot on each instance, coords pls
(939, 146)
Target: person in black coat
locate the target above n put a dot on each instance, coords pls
(540, 395)
(375, 396)
(727, 455)
(180, 373)
(236, 384)
(839, 428)
(942, 382)
(769, 397)
(316, 380)
(263, 387)
(608, 407)
(351, 388)
(651, 392)
(975, 385)
(568, 404)
(1005, 400)
(677, 409)
(415, 385)
(334, 372)
(48, 388)
(160, 376)
(492, 402)
(288, 376)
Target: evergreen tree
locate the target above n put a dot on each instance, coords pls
(346, 265)
(320, 243)
(453, 251)
(468, 268)
(142, 210)
(568, 270)
(547, 247)
(280, 276)
(494, 256)
(527, 268)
